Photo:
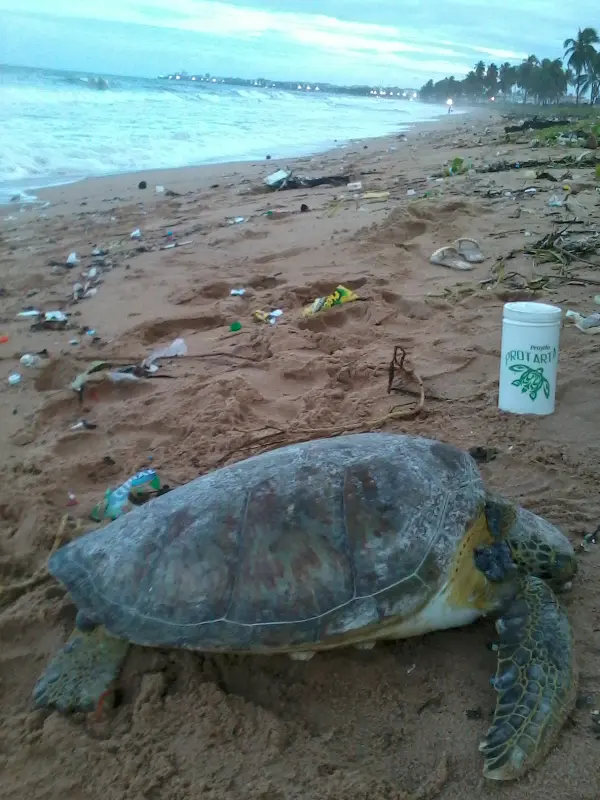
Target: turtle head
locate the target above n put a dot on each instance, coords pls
(537, 547)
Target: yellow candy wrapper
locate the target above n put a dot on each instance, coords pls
(340, 296)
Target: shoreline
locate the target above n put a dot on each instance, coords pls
(49, 193)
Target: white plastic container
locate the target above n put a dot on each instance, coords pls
(529, 358)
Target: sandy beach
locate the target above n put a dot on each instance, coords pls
(403, 721)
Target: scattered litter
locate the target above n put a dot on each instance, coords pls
(277, 180)
(30, 360)
(356, 186)
(160, 190)
(284, 179)
(78, 384)
(276, 213)
(3, 339)
(72, 259)
(555, 201)
(30, 312)
(142, 185)
(589, 324)
(74, 341)
(235, 220)
(177, 347)
(450, 257)
(269, 317)
(304, 208)
(116, 501)
(51, 320)
(171, 245)
(121, 377)
(14, 379)
(411, 193)
(83, 425)
(136, 234)
(457, 167)
(376, 197)
(235, 326)
(237, 292)
(72, 499)
(339, 297)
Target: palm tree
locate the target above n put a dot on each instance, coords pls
(491, 79)
(549, 81)
(591, 79)
(507, 77)
(525, 72)
(579, 53)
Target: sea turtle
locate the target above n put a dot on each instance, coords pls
(321, 545)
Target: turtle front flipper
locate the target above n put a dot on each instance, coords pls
(536, 681)
(80, 675)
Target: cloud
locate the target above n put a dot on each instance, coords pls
(338, 40)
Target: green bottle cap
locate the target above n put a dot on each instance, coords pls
(235, 326)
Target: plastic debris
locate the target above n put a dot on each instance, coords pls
(116, 501)
(72, 499)
(555, 201)
(376, 197)
(270, 317)
(237, 292)
(235, 326)
(411, 193)
(30, 312)
(136, 234)
(72, 259)
(276, 213)
(3, 339)
(121, 377)
(339, 297)
(30, 360)
(589, 324)
(235, 220)
(14, 379)
(177, 347)
(80, 381)
(83, 425)
(276, 180)
(171, 245)
(355, 186)
(160, 190)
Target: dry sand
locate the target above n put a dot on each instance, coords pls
(401, 721)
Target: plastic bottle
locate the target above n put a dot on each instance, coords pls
(529, 358)
(30, 360)
(117, 499)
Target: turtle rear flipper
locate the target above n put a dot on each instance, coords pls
(81, 674)
(536, 682)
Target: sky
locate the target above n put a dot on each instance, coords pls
(386, 42)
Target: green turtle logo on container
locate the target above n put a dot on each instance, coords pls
(530, 380)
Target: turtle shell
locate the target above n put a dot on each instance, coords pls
(300, 546)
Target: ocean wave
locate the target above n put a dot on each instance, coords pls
(146, 124)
